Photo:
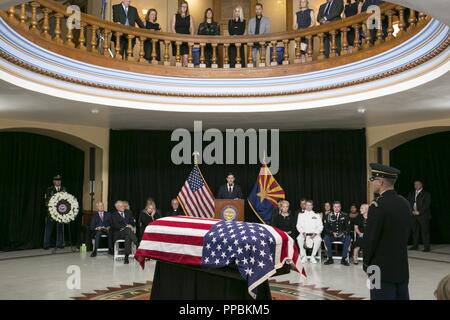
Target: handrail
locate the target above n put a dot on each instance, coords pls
(316, 38)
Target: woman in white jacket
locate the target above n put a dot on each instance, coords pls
(309, 226)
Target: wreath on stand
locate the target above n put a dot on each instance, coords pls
(63, 207)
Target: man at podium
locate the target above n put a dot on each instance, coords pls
(230, 190)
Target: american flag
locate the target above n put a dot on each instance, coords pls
(195, 196)
(256, 250)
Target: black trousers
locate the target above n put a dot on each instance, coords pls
(49, 223)
(97, 236)
(390, 291)
(128, 235)
(327, 45)
(421, 227)
(123, 45)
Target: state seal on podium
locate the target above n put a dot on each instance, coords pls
(229, 213)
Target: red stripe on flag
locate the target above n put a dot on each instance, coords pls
(141, 254)
(284, 244)
(173, 238)
(177, 224)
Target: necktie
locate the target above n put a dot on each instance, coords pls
(101, 216)
(230, 189)
(127, 22)
(328, 7)
(123, 215)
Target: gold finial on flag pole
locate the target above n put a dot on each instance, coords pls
(264, 157)
(196, 154)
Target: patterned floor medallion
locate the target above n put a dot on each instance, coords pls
(280, 291)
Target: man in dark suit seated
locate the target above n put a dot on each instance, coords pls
(420, 201)
(337, 228)
(174, 209)
(123, 225)
(329, 12)
(101, 225)
(127, 15)
(230, 190)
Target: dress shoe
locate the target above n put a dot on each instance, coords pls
(344, 262)
(312, 259)
(46, 248)
(413, 248)
(126, 261)
(94, 254)
(329, 261)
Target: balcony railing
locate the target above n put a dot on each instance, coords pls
(44, 22)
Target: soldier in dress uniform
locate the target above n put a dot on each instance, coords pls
(386, 238)
(49, 222)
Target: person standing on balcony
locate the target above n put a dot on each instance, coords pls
(183, 23)
(209, 28)
(236, 27)
(258, 26)
(151, 24)
(352, 8)
(124, 13)
(331, 11)
(303, 19)
(384, 22)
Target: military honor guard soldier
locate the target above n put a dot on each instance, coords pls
(386, 237)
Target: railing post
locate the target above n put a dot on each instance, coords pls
(274, 61)
(333, 43)
(401, 20)
(141, 49)
(214, 64)
(390, 29)
(154, 53)
(23, 16)
(166, 52)
(226, 59)
(262, 54)
(321, 47)
(11, 14)
(178, 55)
(190, 64)
(106, 46)
(250, 55)
(46, 24)
(130, 47)
(298, 54)
(379, 39)
(117, 49)
(82, 39)
(238, 56)
(309, 52)
(286, 52)
(422, 18)
(368, 42)
(344, 45)
(357, 38)
(412, 19)
(57, 37)
(202, 55)
(93, 43)
(69, 38)
(34, 22)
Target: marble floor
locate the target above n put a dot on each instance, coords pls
(53, 276)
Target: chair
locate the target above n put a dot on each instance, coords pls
(341, 243)
(100, 249)
(318, 255)
(118, 251)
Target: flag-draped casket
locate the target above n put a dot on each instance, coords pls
(256, 250)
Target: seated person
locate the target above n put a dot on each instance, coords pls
(360, 225)
(337, 228)
(309, 226)
(175, 209)
(148, 215)
(284, 219)
(101, 224)
(123, 226)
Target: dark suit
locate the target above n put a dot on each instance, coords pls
(385, 245)
(97, 222)
(224, 193)
(119, 16)
(145, 219)
(384, 22)
(49, 222)
(421, 223)
(174, 213)
(121, 231)
(332, 13)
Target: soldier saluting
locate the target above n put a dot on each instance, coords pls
(386, 237)
(49, 222)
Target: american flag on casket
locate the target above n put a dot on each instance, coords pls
(257, 250)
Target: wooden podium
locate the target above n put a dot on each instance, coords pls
(229, 210)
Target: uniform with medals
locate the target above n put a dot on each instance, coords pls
(386, 238)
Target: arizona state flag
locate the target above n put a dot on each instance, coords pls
(265, 195)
